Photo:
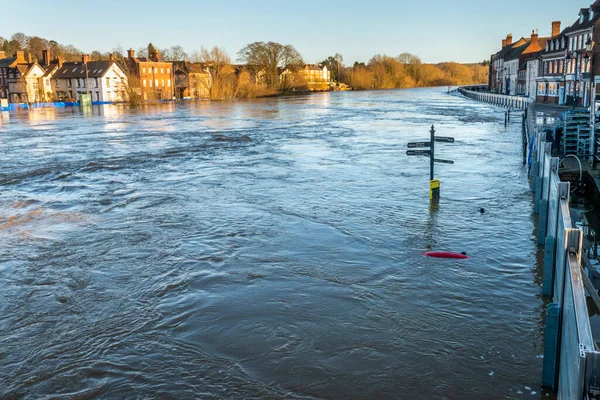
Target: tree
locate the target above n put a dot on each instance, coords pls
(223, 81)
(413, 64)
(36, 44)
(21, 39)
(266, 58)
(151, 49)
(335, 66)
(175, 53)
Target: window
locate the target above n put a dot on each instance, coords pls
(169, 82)
(96, 81)
(168, 70)
(156, 82)
(541, 89)
(162, 70)
(143, 70)
(84, 81)
(571, 43)
(144, 83)
(69, 83)
(107, 82)
(163, 83)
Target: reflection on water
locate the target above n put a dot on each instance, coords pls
(266, 249)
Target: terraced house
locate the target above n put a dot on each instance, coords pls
(550, 80)
(580, 39)
(105, 81)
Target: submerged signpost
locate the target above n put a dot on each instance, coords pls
(434, 185)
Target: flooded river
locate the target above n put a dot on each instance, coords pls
(267, 249)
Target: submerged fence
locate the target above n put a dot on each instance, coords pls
(571, 359)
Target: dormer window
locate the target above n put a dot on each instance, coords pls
(581, 17)
(547, 46)
(591, 14)
(562, 43)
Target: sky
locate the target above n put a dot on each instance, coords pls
(435, 30)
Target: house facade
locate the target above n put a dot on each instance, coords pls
(153, 77)
(579, 88)
(192, 80)
(532, 72)
(104, 81)
(25, 83)
(21, 80)
(497, 80)
(551, 79)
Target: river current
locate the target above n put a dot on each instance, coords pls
(267, 249)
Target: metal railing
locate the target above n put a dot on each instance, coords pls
(501, 100)
(571, 361)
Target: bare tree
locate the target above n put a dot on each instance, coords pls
(175, 53)
(266, 58)
(223, 81)
(21, 39)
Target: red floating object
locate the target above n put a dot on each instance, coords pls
(445, 254)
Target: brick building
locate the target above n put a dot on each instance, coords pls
(153, 76)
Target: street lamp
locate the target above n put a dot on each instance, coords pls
(589, 46)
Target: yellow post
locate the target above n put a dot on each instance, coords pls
(434, 189)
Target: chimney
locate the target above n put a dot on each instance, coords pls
(155, 55)
(46, 57)
(503, 43)
(534, 36)
(555, 28)
(29, 59)
(85, 58)
(59, 61)
(112, 57)
(509, 39)
(131, 53)
(20, 57)
(2, 55)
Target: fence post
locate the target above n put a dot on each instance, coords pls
(538, 191)
(548, 272)
(551, 347)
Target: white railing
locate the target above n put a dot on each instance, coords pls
(501, 100)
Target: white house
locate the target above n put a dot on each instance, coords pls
(105, 81)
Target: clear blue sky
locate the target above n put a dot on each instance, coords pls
(435, 30)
